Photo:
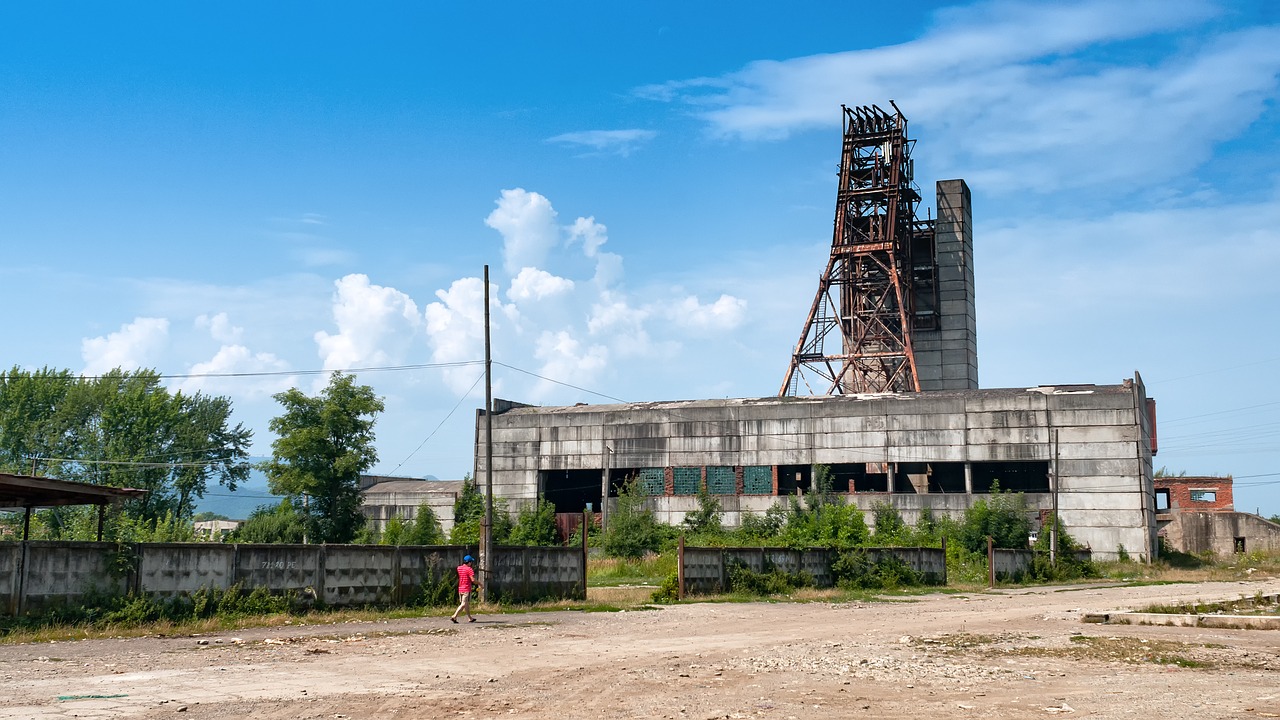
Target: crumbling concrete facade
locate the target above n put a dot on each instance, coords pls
(940, 450)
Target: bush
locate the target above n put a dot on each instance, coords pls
(272, 524)
(854, 570)
(426, 528)
(1003, 518)
(535, 525)
(632, 529)
(890, 529)
(831, 524)
(706, 520)
(773, 581)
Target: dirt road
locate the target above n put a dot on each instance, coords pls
(1012, 654)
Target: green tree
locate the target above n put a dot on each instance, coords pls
(535, 525)
(272, 524)
(707, 519)
(632, 530)
(890, 528)
(468, 516)
(123, 429)
(323, 444)
(1002, 517)
(426, 528)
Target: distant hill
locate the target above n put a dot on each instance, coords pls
(237, 505)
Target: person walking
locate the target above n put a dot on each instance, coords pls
(466, 584)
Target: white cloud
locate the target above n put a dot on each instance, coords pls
(564, 358)
(238, 359)
(455, 328)
(375, 324)
(220, 328)
(535, 284)
(726, 313)
(527, 224)
(606, 142)
(591, 233)
(1011, 99)
(132, 347)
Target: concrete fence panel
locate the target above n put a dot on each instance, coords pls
(359, 574)
(37, 574)
(10, 572)
(280, 567)
(703, 570)
(169, 569)
(54, 572)
(706, 570)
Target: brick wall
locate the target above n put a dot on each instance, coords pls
(1195, 494)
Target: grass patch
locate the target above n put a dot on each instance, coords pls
(613, 572)
(1133, 651)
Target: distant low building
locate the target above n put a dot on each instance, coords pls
(216, 529)
(1198, 515)
(383, 497)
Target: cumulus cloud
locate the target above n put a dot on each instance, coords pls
(238, 359)
(726, 313)
(563, 356)
(535, 284)
(606, 142)
(455, 328)
(375, 324)
(132, 347)
(528, 227)
(1010, 98)
(220, 328)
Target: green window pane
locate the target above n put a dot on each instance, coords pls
(757, 480)
(687, 480)
(721, 481)
(651, 481)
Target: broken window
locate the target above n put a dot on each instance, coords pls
(1162, 500)
(1204, 496)
(1025, 476)
(571, 491)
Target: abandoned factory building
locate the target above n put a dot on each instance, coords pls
(941, 450)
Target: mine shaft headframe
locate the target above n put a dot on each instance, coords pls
(865, 296)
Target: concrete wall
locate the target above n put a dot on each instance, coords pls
(1094, 436)
(1216, 532)
(947, 358)
(706, 570)
(37, 574)
(397, 498)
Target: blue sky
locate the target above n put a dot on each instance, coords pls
(293, 187)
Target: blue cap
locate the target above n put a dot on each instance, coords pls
(467, 558)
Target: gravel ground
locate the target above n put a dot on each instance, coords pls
(1009, 654)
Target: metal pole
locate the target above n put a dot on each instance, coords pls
(26, 524)
(1053, 529)
(486, 543)
(604, 489)
(102, 512)
(680, 569)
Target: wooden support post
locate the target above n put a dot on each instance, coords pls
(586, 531)
(991, 563)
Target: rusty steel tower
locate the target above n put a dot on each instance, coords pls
(880, 281)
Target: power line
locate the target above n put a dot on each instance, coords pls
(442, 422)
(270, 373)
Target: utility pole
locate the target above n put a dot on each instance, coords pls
(1053, 484)
(486, 540)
